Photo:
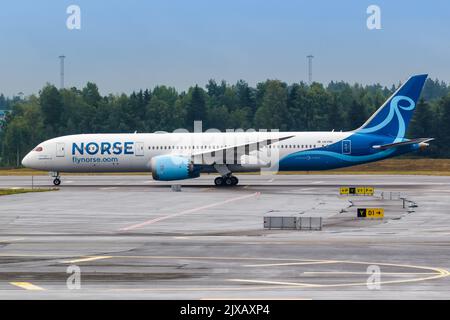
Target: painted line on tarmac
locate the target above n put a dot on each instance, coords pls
(11, 240)
(145, 223)
(365, 273)
(436, 274)
(290, 264)
(86, 259)
(27, 286)
(252, 298)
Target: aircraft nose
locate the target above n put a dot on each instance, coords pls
(26, 160)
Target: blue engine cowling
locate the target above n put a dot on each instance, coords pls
(167, 168)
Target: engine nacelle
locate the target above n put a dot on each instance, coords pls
(167, 168)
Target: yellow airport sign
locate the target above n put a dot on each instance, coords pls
(359, 191)
(371, 213)
(369, 191)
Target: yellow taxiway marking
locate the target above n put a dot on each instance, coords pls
(26, 285)
(86, 259)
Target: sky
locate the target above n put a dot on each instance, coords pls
(136, 44)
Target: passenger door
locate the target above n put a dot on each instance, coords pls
(60, 149)
(139, 149)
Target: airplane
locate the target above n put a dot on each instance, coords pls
(184, 155)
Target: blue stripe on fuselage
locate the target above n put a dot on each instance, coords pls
(331, 157)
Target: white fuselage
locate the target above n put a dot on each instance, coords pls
(133, 152)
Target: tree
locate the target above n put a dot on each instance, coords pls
(443, 132)
(273, 112)
(319, 101)
(357, 115)
(335, 116)
(421, 123)
(298, 107)
(163, 117)
(90, 94)
(51, 105)
(22, 132)
(196, 108)
(2, 101)
(245, 95)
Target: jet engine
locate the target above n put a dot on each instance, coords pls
(168, 167)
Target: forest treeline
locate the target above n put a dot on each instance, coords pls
(272, 104)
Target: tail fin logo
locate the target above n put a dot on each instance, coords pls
(392, 118)
(394, 109)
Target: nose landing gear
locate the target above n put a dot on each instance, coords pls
(57, 180)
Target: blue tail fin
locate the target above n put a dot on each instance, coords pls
(392, 118)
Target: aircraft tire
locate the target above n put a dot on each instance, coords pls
(228, 181)
(219, 181)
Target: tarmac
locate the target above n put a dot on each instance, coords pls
(129, 237)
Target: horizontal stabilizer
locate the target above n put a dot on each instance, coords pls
(403, 143)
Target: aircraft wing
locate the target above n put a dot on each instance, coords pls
(243, 147)
(403, 143)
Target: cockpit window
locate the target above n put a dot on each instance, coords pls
(38, 149)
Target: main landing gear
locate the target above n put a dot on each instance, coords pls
(226, 181)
